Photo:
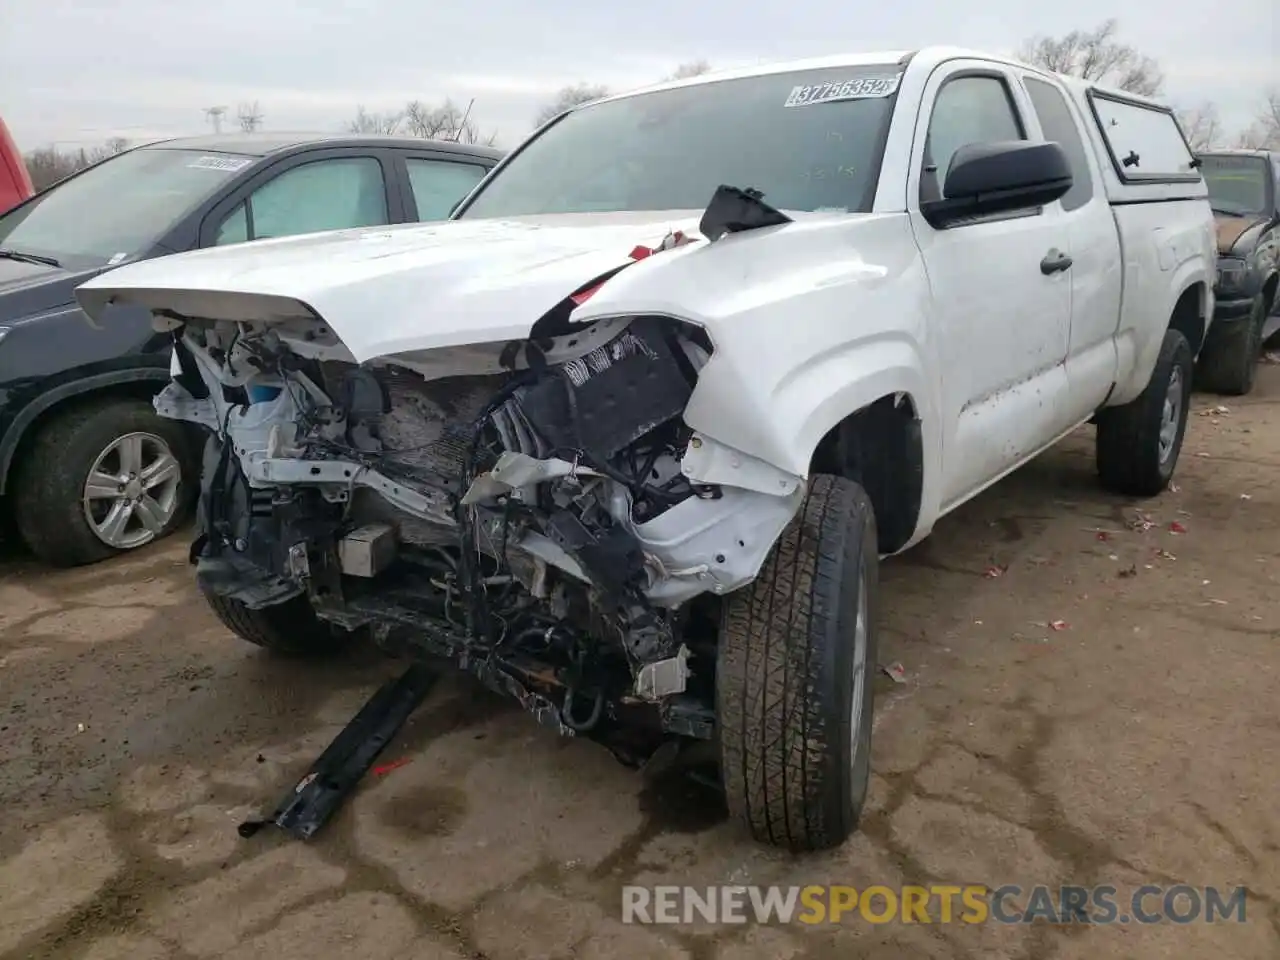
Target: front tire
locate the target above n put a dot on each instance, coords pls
(1138, 444)
(290, 629)
(1229, 363)
(101, 480)
(795, 676)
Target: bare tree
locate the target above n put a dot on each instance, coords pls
(249, 116)
(1202, 126)
(694, 68)
(367, 122)
(1264, 132)
(568, 97)
(1096, 55)
(445, 122)
(48, 165)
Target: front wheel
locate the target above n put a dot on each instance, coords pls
(103, 479)
(1138, 444)
(290, 629)
(795, 675)
(1229, 363)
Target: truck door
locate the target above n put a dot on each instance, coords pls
(1095, 250)
(1000, 286)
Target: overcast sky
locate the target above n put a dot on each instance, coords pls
(78, 71)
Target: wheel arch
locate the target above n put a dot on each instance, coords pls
(142, 383)
(881, 447)
(1190, 315)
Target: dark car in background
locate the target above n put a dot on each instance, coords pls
(87, 468)
(1244, 191)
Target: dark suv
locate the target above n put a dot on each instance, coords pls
(87, 468)
(1244, 190)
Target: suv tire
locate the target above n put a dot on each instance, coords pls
(68, 522)
(795, 675)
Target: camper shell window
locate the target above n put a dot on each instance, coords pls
(1144, 140)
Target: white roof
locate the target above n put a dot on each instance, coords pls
(928, 57)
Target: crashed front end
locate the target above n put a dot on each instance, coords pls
(534, 511)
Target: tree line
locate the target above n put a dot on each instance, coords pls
(1095, 54)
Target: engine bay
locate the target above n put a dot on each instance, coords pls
(526, 510)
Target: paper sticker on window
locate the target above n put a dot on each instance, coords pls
(861, 89)
(225, 164)
(118, 258)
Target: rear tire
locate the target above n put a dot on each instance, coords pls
(289, 629)
(795, 676)
(1229, 363)
(1137, 445)
(49, 490)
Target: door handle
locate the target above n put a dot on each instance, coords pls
(1055, 261)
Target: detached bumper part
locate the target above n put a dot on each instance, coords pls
(311, 803)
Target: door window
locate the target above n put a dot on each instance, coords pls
(1059, 126)
(439, 184)
(974, 109)
(321, 195)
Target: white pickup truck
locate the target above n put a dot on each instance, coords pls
(627, 437)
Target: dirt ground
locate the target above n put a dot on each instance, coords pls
(1102, 711)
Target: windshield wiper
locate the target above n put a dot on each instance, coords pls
(29, 258)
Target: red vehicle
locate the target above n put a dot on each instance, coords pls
(15, 182)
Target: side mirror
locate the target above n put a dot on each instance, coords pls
(991, 178)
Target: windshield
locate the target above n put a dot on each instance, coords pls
(1238, 185)
(810, 141)
(120, 207)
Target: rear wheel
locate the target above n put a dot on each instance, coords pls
(103, 479)
(795, 676)
(1229, 363)
(291, 628)
(1138, 444)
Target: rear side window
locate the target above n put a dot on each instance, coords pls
(439, 184)
(1059, 125)
(1144, 141)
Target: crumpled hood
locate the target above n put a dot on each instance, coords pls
(1230, 229)
(388, 290)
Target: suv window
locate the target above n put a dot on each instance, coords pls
(439, 184)
(119, 207)
(974, 109)
(1059, 125)
(309, 198)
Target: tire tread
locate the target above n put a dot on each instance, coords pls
(776, 736)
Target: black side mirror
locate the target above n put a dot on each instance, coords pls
(992, 178)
